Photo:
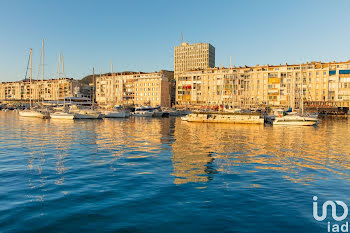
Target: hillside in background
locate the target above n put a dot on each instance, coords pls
(88, 79)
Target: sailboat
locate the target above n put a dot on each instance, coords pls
(31, 112)
(87, 113)
(115, 112)
(62, 115)
(297, 119)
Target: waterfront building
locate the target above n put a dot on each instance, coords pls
(40, 90)
(193, 56)
(283, 85)
(135, 88)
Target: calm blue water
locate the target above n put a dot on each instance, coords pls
(164, 175)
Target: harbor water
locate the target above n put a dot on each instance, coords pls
(167, 175)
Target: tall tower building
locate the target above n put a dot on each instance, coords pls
(193, 56)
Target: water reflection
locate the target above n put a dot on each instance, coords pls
(197, 145)
(238, 149)
(142, 136)
(138, 171)
(196, 151)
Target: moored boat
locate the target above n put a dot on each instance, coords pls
(143, 114)
(84, 113)
(115, 114)
(295, 120)
(62, 115)
(87, 114)
(157, 113)
(221, 117)
(33, 113)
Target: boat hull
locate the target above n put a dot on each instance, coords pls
(295, 120)
(174, 113)
(143, 114)
(121, 114)
(32, 114)
(157, 114)
(305, 122)
(62, 116)
(87, 115)
(224, 118)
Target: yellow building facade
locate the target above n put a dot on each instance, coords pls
(283, 85)
(134, 88)
(47, 90)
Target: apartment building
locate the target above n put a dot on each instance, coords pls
(282, 85)
(193, 56)
(135, 88)
(47, 90)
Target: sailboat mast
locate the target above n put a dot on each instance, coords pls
(63, 75)
(58, 77)
(113, 85)
(42, 72)
(302, 93)
(93, 88)
(30, 80)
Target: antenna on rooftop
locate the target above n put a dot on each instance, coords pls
(230, 61)
(182, 37)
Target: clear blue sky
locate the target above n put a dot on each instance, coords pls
(141, 35)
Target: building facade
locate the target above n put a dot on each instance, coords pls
(283, 85)
(37, 90)
(135, 88)
(193, 56)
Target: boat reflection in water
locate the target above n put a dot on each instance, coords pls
(198, 151)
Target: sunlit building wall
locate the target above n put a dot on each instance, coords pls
(193, 56)
(283, 85)
(134, 88)
(52, 89)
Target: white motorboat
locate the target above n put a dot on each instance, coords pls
(115, 114)
(224, 117)
(143, 114)
(33, 113)
(84, 113)
(295, 120)
(87, 114)
(62, 115)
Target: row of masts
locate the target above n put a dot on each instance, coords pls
(60, 71)
(60, 68)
